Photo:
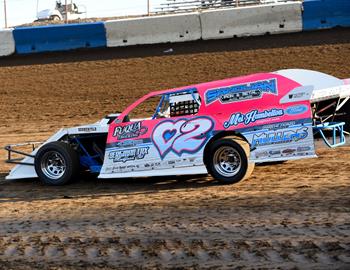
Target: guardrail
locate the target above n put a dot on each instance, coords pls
(251, 20)
(7, 43)
(210, 22)
(59, 37)
(155, 29)
(321, 14)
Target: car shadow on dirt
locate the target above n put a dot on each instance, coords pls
(90, 186)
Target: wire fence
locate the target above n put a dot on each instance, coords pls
(178, 6)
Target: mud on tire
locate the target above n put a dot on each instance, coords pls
(227, 160)
(56, 163)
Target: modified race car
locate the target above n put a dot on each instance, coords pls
(222, 128)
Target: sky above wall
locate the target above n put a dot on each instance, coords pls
(24, 11)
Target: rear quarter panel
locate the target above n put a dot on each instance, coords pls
(263, 109)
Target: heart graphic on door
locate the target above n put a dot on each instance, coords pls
(181, 136)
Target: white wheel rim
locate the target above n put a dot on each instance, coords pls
(53, 165)
(227, 161)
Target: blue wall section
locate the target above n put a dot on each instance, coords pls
(317, 14)
(320, 14)
(59, 37)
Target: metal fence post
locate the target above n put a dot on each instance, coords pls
(5, 13)
(66, 8)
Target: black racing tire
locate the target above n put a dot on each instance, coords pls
(227, 160)
(56, 163)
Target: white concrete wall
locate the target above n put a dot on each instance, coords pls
(249, 21)
(7, 43)
(155, 29)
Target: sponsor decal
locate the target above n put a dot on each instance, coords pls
(87, 129)
(297, 95)
(297, 109)
(282, 125)
(132, 130)
(128, 143)
(241, 92)
(289, 151)
(304, 148)
(181, 136)
(152, 165)
(251, 117)
(261, 154)
(128, 154)
(268, 138)
(131, 167)
(300, 93)
(274, 152)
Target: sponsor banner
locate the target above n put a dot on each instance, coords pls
(251, 117)
(152, 164)
(133, 130)
(287, 142)
(128, 154)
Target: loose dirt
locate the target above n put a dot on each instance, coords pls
(291, 215)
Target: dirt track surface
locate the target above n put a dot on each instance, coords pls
(298, 217)
(293, 215)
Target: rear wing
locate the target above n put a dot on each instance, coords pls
(338, 92)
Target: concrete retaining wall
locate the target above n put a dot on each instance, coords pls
(210, 24)
(7, 43)
(155, 29)
(59, 37)
(321, 14)
(249, 21)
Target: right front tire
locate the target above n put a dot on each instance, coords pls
(56, 163)
(228, 161)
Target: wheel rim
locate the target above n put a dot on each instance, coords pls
(227, 161)
(53, 165)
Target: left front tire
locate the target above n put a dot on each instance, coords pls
(56, 163)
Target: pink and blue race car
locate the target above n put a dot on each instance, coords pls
(222, 128)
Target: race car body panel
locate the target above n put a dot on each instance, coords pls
(26, 167)
(250, 106)
(276, 113)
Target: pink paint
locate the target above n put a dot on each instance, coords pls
(221, 113)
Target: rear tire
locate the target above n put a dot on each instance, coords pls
(56, 163)
(228, 160)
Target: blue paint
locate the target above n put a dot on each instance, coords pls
(277, 137)
(169, 134)
(296, 109)
(251, 117)
(59, 37)
(246, 91)
(337, 130)
(322, 14)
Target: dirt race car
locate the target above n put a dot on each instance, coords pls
(221, 127)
